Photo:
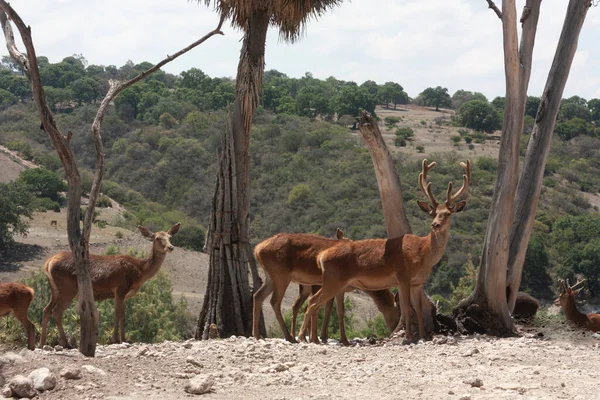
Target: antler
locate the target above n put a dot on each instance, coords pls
(450, 198)
(424, 186)
(579, 282)
(562, 285)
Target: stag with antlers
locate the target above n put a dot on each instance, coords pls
(405, 262)
(117, 276)
(566, 300)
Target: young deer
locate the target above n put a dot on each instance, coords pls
(288, 257)
(117, 276)
(15, 298)
(566, 300)
(406, 261)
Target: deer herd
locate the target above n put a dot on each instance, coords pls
(323, 268)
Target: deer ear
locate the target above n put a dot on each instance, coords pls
(339, 234)
(145, 231)
(174, 229)
(423, 205)
(458, 207)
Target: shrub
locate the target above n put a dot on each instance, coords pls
(104, 202)
(405, 133)
(167, 121)
(455, 140)
(400, 142)
(463, 132)
(44, 204)
(468, 139)
(112, 250)
(391, 120)
(423, 122)
(119, 235)
(151, 316)
(420, 148)
(479, 115)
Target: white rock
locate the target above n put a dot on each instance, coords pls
(47, 348)
(22, 386)
(200, 384)
(12, 358)
(93, 370)
(58, 347)
(43, 379)
(70, 373)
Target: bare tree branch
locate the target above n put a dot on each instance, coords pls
(115, 88)
(493, 6)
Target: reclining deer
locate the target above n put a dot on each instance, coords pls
(15, 298)
(289, 257)
(117, 276)
(566, 300)
(406, 262)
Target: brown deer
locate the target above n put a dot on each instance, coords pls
(289, 257)
(15, 298)
(566, 300)
(116, 276)
(406, 261)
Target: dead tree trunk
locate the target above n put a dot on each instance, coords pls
(228, 299)
(78, 238)
(486, 309)
(532, 172)
(390, 191)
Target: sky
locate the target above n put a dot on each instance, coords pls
(455, 44)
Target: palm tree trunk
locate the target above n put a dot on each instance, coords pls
(248, 88)
(228, 298)
(530, 181)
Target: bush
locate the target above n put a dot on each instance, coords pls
(405, 133)
(45, 204)
(468, 139)
(455, 140)
(151, 316)
(104, 202)
(391, 120)
(479, 115)
(400, 142)
(420, 148)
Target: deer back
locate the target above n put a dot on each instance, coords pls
(594, 322)
(107, 272)
(292, 251)
(14, 295)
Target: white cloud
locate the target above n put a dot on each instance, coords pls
(416, 43)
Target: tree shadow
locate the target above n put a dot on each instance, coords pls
(12, 259)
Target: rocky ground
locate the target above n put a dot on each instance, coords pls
(552, 365)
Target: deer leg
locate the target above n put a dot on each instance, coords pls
(46, 318)
(404, 288)
(339, 306)
(325, 323)
(57, 312)
(313, 327)
(419, 310)
(122, 327)
(276, 298)
(327, 291)
(259, 297)
(21, 316)
(303, 293)
(119, 314)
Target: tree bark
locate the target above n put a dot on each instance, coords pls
(487, 308)
(78, 239)
(228, 299)
(390, 191)
(248, 88)
(532, 172)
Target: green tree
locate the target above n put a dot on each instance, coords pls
(479, 115)
(571, 128)
(532, 105)
(436, 97)
(43, 182)
(7, 99)
(16, 202)
(86, 90)
(498, 103)
(460, 97)
(569, 110)
(594, 106)
(391, 92)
